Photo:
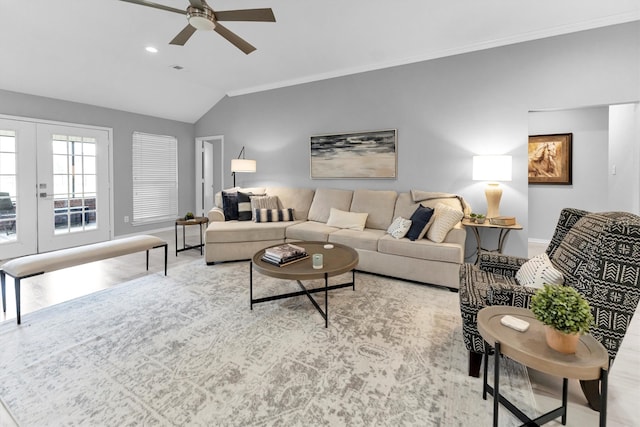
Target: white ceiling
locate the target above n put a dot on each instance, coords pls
(93, 51)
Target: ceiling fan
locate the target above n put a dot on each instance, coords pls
(202, 17)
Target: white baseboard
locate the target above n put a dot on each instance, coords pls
(539, 241)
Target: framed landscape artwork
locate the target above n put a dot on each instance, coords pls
(371, 154)
(550, 159)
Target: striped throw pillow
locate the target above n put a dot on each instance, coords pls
(273, 215)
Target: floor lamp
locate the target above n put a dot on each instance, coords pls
(242, 165)
(492, 169)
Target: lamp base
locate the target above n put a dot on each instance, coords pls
(493, 193)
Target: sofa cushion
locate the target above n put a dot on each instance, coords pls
(422, 249)
(217, 198)
(399, 227)
(297, 198)
(310, 230)
(349, 220)
(230, 205)
(263, 202)
(379, 204)
(244, 206)
(420, 222)
(244, 231)
(366, 240)
(445, 218)
(327, 198)
(273, 215)
(538, 271)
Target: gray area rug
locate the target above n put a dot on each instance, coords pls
(186, 350)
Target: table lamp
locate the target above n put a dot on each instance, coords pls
(242, 165)
(492, 169)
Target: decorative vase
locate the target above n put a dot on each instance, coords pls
(560, 341)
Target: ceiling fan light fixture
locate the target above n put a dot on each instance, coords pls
(201, 19)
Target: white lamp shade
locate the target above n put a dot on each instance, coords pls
(492, 168)
(243, 165)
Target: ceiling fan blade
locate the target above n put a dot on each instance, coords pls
(183, 35)
(157, 6)
(261, 15)
(234, 39)
(197, 3)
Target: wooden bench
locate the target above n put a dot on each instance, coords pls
(33, 265)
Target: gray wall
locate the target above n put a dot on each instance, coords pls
(445, 110)
(589, 189)
(123, 125)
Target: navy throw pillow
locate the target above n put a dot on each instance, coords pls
(244, 206)
(230, 205)
(419, 221)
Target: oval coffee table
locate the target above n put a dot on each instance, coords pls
(338, 260)
(590, 361)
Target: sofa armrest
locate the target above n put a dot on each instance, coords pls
(457, 235)
(510, 294)
(216, 214)
(504, 265)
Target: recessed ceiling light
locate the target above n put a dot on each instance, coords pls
(151, 49)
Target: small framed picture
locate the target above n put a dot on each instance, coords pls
(550, 159)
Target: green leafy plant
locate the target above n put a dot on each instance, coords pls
(562, 308)
(480, 216)
(189, 215)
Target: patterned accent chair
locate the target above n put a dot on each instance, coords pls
(598, 254)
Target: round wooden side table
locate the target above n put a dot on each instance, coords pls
(590, 362)
(199, 221)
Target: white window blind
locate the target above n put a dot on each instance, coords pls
(155, 178)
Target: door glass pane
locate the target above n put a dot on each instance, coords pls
(74, 183)
(7, 186)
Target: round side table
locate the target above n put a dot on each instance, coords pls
(590, 362)
(199, 221)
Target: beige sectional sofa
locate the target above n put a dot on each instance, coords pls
(421, 260)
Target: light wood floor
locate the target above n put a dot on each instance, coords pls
(59, 286)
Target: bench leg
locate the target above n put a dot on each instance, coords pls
(17, 282)
(4, 295)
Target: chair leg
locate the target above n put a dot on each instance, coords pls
(591, 390)
(4, 294)
(475, 361)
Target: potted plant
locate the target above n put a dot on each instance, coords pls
(480, 218)
(473, 216)
(189, 216)
(565, 314)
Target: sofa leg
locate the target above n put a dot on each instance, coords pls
(475, 360)
(591, 390)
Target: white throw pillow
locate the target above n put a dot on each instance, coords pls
(445, 217)
(348, 220)
(399, 227)
(538, 271)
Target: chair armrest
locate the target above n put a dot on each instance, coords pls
(216, 214)
(503, 265)
(509, 294)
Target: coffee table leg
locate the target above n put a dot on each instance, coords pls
(496, 384)
(326, 300)
(565, 387)
(251, 285)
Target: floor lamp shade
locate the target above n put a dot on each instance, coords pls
(243, 165)
(492, 169)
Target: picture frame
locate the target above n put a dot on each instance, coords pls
(550, 159)
(358, 155)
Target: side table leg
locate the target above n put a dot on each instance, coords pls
(175, 226)
(565, 387)
(479, 243)
(485, 384)
(200, 226)
(251, 285)
(604, 374)
(496, 384)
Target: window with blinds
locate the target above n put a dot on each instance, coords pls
(155, 178)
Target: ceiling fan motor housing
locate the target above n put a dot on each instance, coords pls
(202, 19)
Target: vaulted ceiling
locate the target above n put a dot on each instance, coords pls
(93, 51)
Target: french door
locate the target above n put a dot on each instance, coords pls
(59, 189)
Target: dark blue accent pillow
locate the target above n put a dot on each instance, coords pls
(244, 206)
(230, 205)
(419, 221)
